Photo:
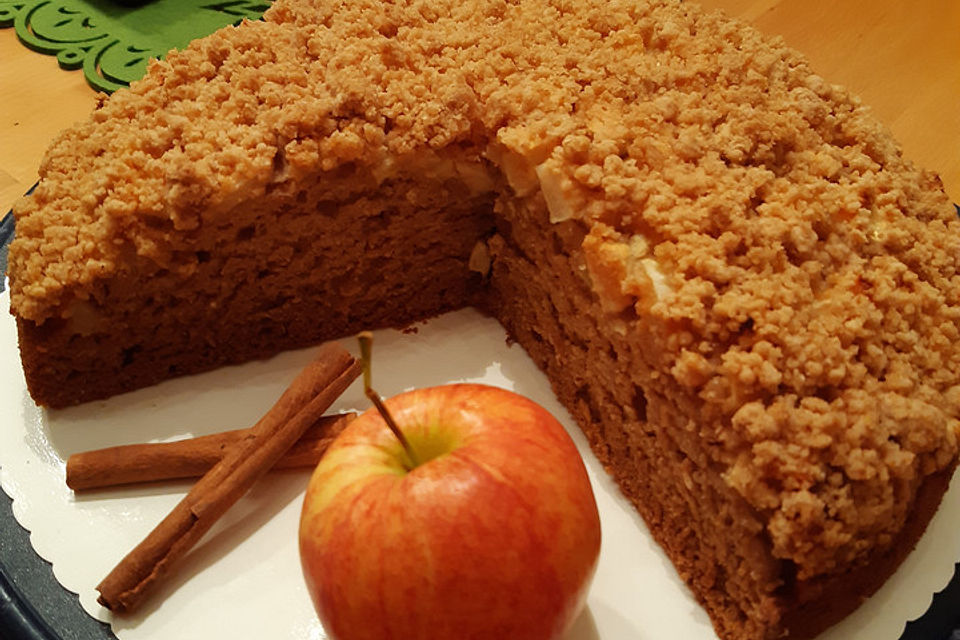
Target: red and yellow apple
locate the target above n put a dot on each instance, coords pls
(493, 535)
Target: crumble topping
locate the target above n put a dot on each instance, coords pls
(804, 277)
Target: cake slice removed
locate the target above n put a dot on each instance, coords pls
(743, 293)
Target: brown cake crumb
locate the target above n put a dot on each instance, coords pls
(773, 289)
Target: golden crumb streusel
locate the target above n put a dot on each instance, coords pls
(802, 278)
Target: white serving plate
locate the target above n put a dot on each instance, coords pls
(243, 580)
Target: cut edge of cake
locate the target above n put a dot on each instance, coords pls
(736, 278)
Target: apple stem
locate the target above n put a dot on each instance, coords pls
(366, 361)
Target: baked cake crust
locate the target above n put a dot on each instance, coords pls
(759, 293)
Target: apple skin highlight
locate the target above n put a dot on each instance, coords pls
(495, 534)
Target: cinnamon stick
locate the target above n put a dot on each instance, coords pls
(189, 458)
(309, 396)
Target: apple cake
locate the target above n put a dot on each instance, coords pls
(745, 295)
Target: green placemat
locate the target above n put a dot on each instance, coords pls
(112, 40)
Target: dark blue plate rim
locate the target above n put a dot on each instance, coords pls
(34, 606)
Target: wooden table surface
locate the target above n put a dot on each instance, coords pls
(902, 58)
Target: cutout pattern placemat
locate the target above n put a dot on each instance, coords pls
(112, 40)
